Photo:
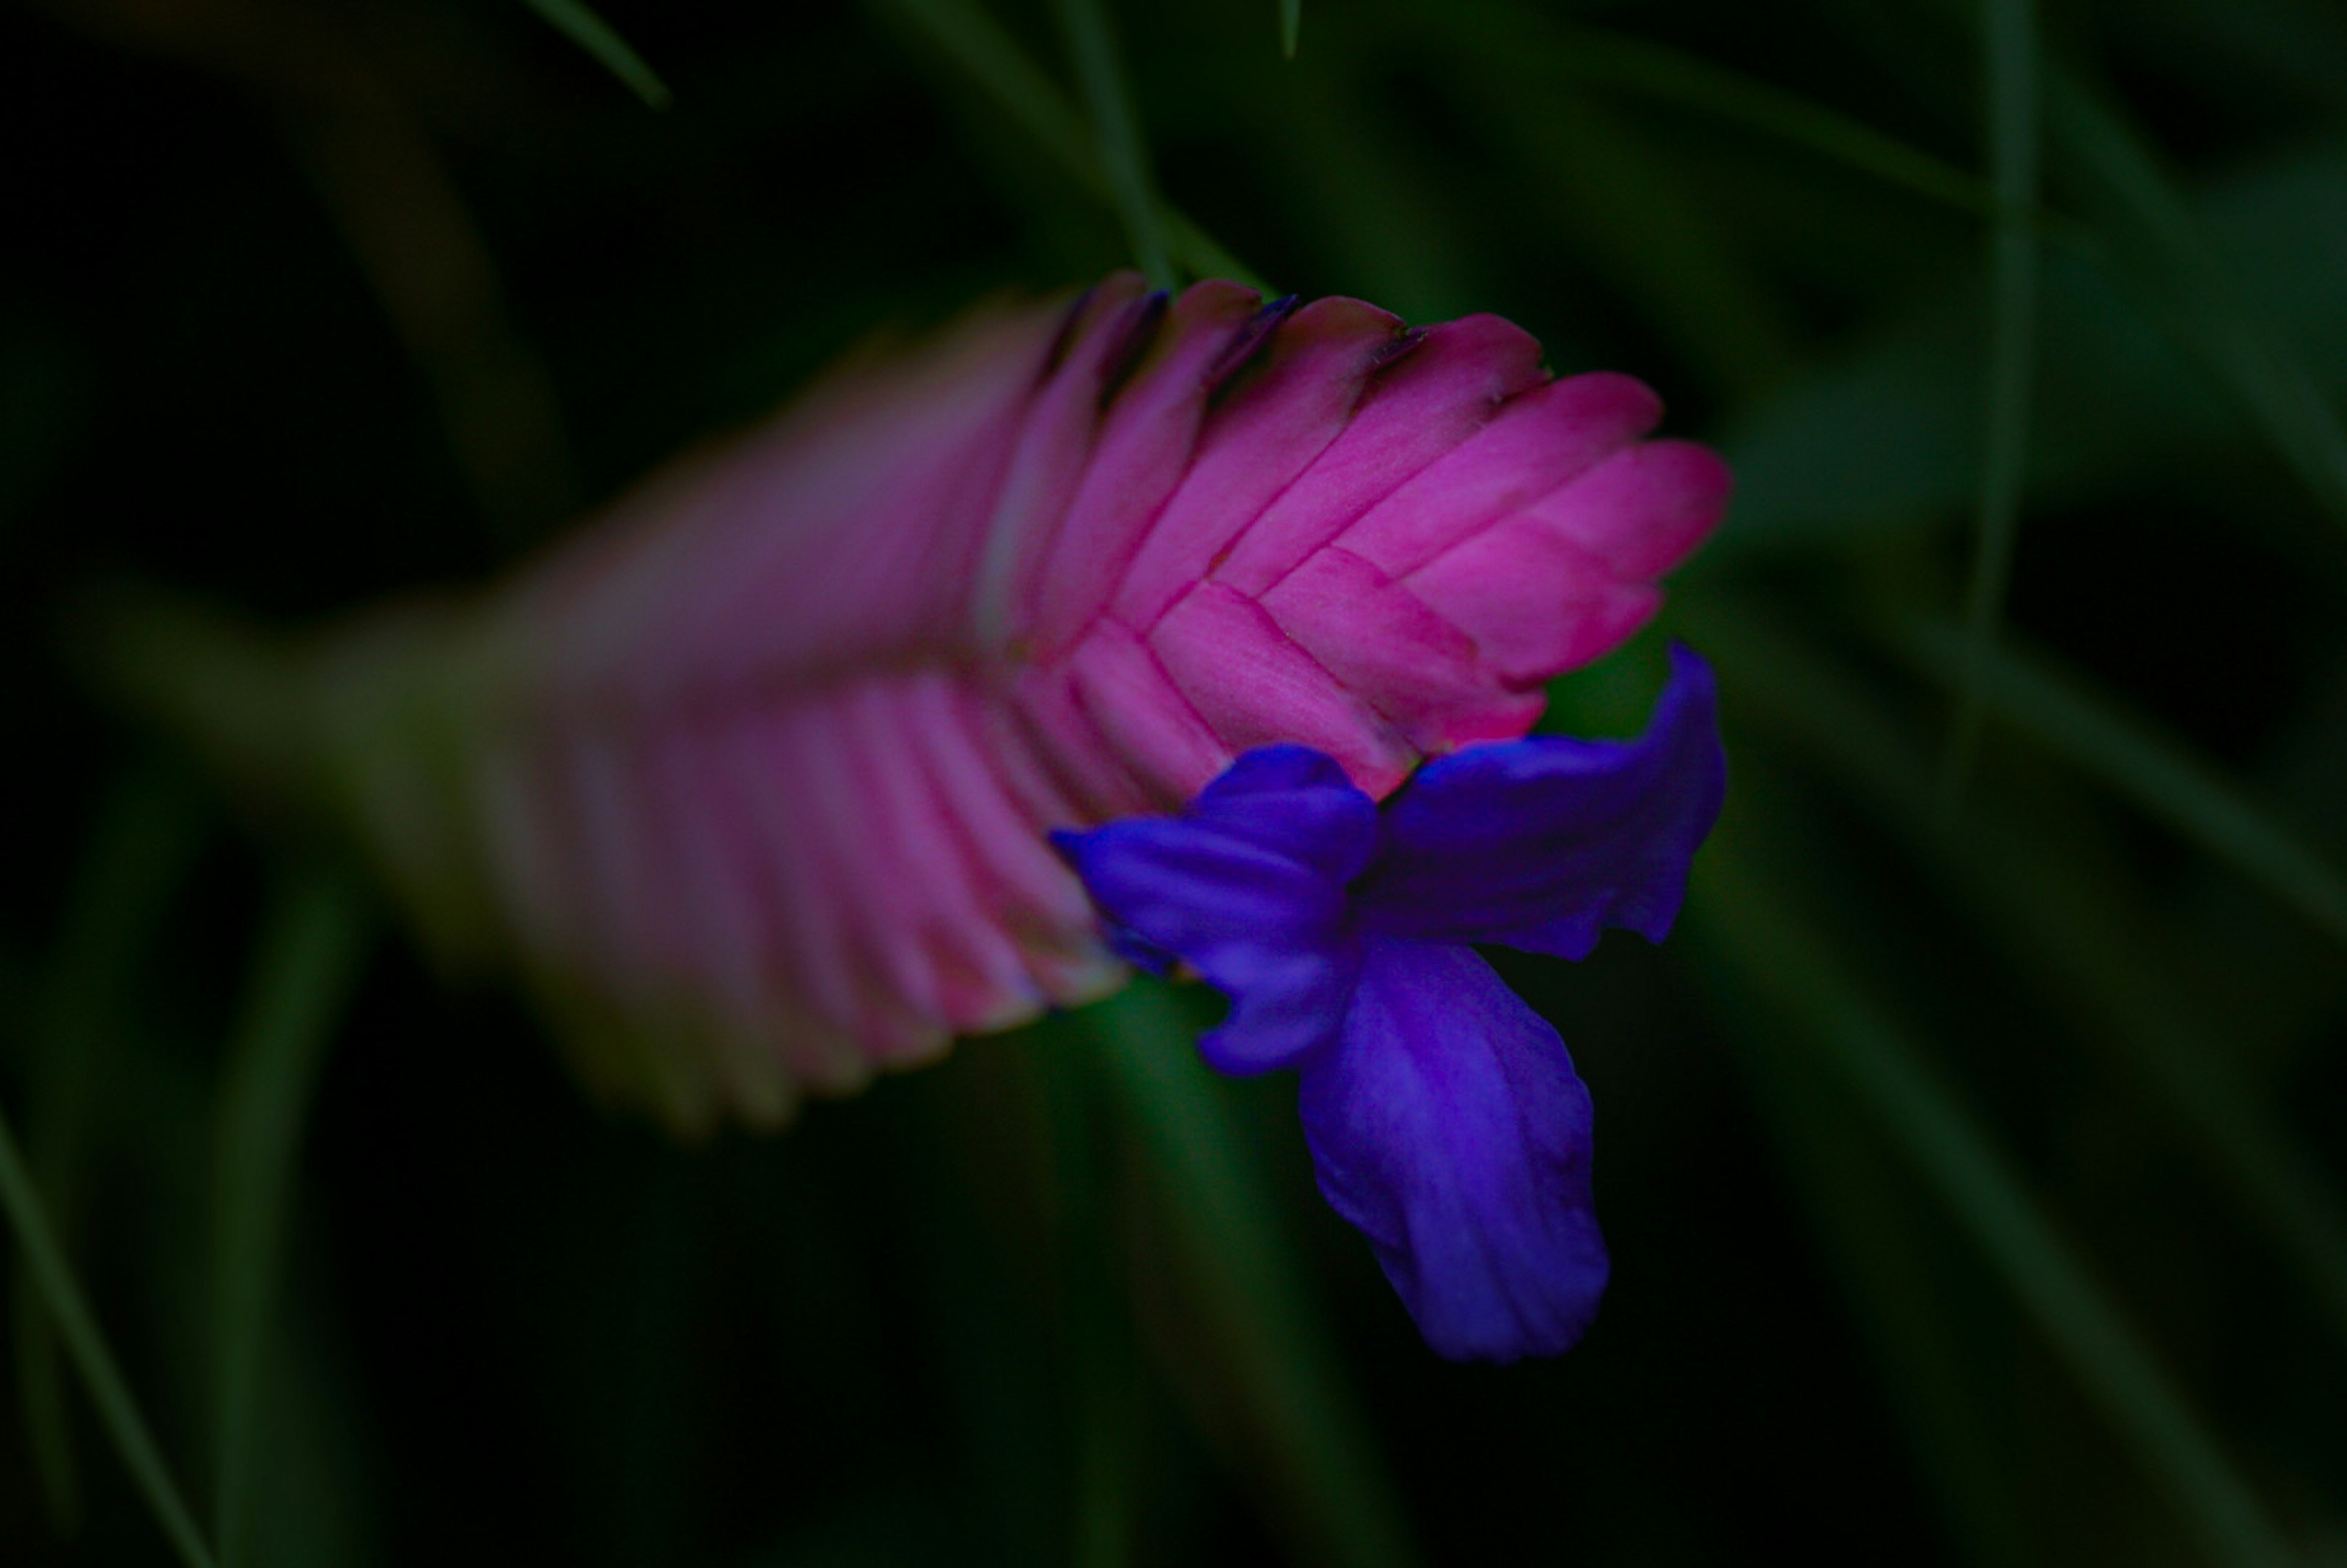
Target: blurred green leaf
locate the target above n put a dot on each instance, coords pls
(1782, 959)
(53, 1279)
(2223, 318)
(1891, 1261)
(150, 827)
(1513, 36)
(1888, 434)
(1652, 240)
(2020, 880)
(578, 22)
(1279, 1345)
(1291, 24)
(2010, 29)
(305, 962)
(2063, 714)
(994, 64)
(1116, 131)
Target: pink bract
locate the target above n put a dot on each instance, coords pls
(753, 778)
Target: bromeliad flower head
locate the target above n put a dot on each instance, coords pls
(753, 780)
(1444, 1115)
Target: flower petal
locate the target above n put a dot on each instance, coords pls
(1539, 843)
(1450, 1128)
(1247, 888)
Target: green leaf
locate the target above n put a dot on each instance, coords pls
(1513, 36)
(2011, 34)
(1888, 435)
(1291, 23)
(305, 962)
(2089, 728)
(1782, 959)
(1627, 210)
(995, 65)
(575, 21)
(1117, 129)
(1895, 1264)
(2220, 314)
(54, 1281)
(149, 831)
(1239, 1264)
(2083, 939)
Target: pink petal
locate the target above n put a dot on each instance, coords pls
(1376, 637)
(1254, 685)
(1443, 390)
(1540, 441)
(1142, 716)
(1271, 428)
(1140, 456)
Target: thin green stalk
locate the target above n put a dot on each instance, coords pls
(996, 66)
(1893, 1269)
(2219, 316)
(2132, 756)
(305, 963)
(52, 1278)
(2082, 944)
(149, 831)
(1235, 1259)
(2010, 33)
(1100, 1334)
(1117, 129)
(1782, 957)
(575, 21)
(1291, 24)
(1513, 36)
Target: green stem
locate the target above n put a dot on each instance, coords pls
(2013, 116)
(1118, 130)
(52, 1277)
(1779, 956)
(305, 964)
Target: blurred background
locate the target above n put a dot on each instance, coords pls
(1972, 1157)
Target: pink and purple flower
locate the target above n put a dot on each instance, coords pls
(1445, 1119)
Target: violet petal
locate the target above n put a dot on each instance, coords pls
(1248, 887)
(1450, 1128)
(1538, 844)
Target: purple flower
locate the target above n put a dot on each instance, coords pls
(1444, 1116)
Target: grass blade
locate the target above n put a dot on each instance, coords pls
(52, 1278)
(1239, 1264)
(306, 961)
(1513, 36)
(2010, 33)
(1895, 1270)
(1291, 23)
(2218, 315)
(1117, 129)
(148, 832)
(1782, 957)
(575, 21)
(2087, 945)
(2062, 714)
(995, 65)
(1627, 210)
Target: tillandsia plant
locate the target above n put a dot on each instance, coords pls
(756, 780)
(1974, 1156)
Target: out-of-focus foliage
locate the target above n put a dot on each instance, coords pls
(1972, 1158)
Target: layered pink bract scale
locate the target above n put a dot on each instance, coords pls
(761, 769)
